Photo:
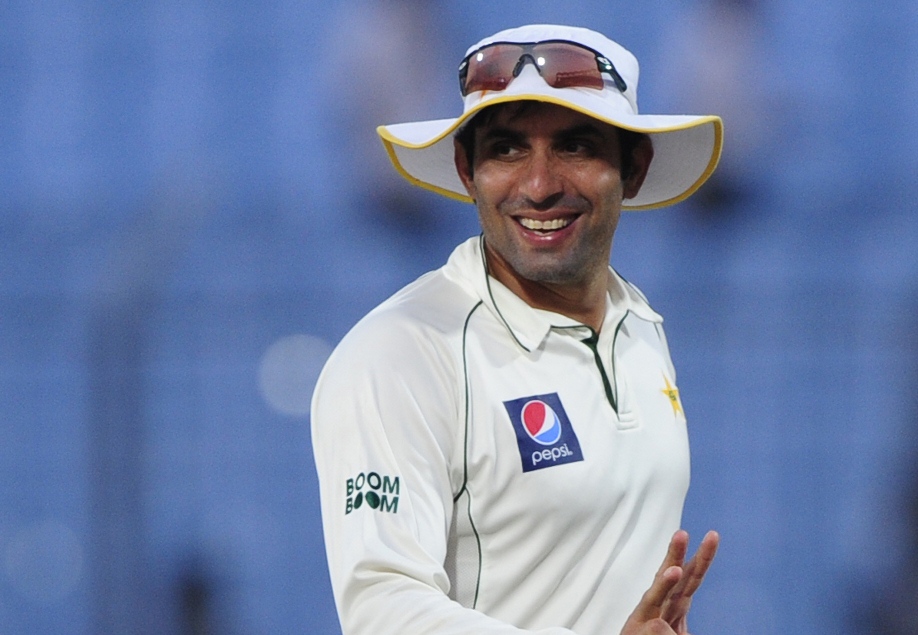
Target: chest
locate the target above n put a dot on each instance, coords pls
(570, 430)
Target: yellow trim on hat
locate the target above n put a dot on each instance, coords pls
(390, 140)
(708, 171)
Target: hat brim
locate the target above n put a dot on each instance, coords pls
(687, 148)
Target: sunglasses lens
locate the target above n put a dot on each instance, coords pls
(561, 64)
(491, 68)
(564, 65)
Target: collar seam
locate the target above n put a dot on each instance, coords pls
(500, 315)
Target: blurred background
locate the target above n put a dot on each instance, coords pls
(194, 209)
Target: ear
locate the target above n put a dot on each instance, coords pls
(464, 168)
(643, 155)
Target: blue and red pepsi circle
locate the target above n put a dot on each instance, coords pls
(541, 422)
(544, 434)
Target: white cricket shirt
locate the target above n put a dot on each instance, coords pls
(488, 468)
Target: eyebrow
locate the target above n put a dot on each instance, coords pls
(501, 133)
(509, 134)
(581, 130)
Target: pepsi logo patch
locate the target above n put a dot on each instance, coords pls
(544, 434)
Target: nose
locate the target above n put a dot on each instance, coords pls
(541, 182)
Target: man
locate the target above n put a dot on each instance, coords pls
(501, 446)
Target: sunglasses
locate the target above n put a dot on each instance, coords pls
(562, 64)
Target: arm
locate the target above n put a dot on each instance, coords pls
(378, 413)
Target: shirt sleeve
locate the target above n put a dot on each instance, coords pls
(385, 424)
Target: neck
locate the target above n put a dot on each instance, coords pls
(583, 300)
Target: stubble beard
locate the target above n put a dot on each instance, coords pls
(570, 269)
(575, 266)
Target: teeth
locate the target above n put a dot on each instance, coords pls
(548, 225)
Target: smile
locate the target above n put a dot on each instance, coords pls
(546, 225)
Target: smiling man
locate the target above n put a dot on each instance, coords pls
(548, 184)
(501, 446)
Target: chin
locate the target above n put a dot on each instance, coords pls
(552, 274)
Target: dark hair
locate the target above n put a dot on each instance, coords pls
(628, 140)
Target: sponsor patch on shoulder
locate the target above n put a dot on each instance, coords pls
(544, 434)
(372, 490)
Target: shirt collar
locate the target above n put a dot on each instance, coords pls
(529, 326)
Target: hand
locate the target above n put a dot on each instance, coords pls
(663, 610)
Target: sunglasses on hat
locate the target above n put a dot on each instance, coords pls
(561, 63)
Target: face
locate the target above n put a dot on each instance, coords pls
(548, 186)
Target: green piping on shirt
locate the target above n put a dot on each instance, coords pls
(465, 451)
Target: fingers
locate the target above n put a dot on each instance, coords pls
(678, 548)
(698, 566)
(669, 597)
(680, 599)
(652, 602)
(656, 627)
(666, 579)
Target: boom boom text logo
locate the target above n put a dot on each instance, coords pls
(375, 491)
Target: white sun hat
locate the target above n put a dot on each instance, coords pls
(686, 147)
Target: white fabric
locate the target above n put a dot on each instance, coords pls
(444, 532)
(622, 59)
(686, 147)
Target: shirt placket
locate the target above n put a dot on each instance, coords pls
(611, 350)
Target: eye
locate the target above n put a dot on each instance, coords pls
(503, 149)
(577, 146)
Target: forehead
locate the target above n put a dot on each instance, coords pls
(535, 117)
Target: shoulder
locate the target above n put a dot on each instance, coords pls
(649, 323)
(419, 326)
(399, 368)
